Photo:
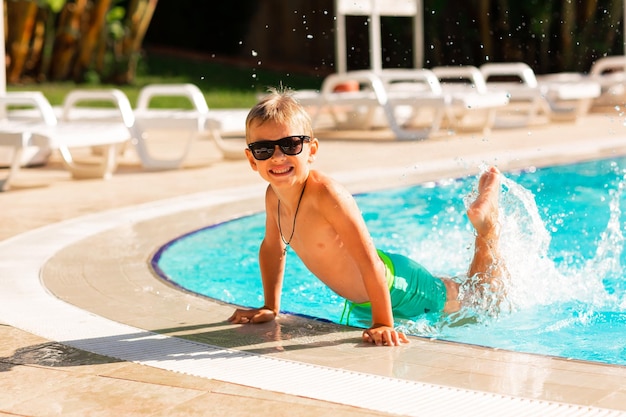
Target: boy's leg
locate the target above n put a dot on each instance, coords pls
(487, 263)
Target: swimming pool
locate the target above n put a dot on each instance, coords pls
(561, 238)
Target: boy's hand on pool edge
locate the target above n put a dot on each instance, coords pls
(255, 315)
(382, 335)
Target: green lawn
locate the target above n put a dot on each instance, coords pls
(224, 86)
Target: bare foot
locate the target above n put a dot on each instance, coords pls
(483, 212)
(487, 263)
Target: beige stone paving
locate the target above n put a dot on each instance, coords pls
(39, 377)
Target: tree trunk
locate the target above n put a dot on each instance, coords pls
(22, 15)
(66, 41)
(508, 50)
(48, 46)
(485, 29)
(616, 15)
(568, 26)
(139, 15)
(91, 38)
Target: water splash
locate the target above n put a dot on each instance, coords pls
(603, 274)
(525, 241)
(534, 279)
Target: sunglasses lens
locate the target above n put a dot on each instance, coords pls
(291, 146)
(262, 150)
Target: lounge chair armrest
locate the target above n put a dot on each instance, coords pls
(189, 91)
(30, 98)
(365, 77)
(115, 96)
(361, 76)
(464, 72)
(407, 76)
(514, 69)
(616, 63)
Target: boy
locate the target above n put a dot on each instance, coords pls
(319, 219)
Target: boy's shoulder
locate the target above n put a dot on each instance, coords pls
(323, 180)
(325, 185)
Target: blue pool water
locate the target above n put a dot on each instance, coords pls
(561, 238)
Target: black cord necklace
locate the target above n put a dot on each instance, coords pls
(293, 228)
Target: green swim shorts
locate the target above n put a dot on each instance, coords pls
(414, 291)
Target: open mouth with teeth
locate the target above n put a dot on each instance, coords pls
(281, 171)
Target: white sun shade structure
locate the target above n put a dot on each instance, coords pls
(3, 67)
(374, 9)
(3, 64)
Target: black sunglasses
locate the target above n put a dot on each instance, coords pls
(291, 145)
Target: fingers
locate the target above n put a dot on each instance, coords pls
(251, 316)
(384, 337)
(403, 338)
(240, 317)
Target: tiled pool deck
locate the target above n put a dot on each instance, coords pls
(89, 242)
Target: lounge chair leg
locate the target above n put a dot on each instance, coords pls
(16, 164)
(19, 143)
(103, 170)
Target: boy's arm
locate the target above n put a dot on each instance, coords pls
(347, 220)
(272, 266)
(382, 331)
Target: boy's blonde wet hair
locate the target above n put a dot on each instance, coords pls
(279, 106)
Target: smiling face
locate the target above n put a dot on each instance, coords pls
(280, 169)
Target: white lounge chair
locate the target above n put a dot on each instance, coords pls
(390, 98)
(30, 155)
(568, 101)
(196, 122)
(556, 99)
(46, 132)
(519, 81)
(472, 106)
(610, 73)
